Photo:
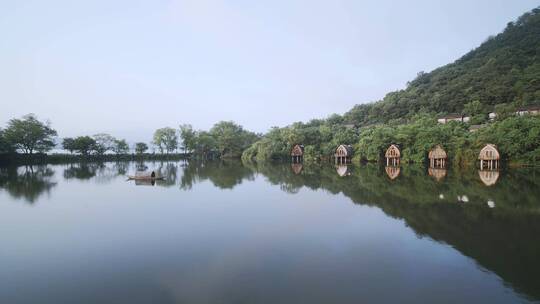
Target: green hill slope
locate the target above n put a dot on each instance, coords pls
(504, 69)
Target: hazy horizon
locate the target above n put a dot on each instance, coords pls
(128, 68)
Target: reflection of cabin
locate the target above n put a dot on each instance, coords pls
(437, 173)
(297, 153)
(392, 155)
(343, 154)
(453, 117)
(343, 170)
(489, 178)
(437, 157)
(489, 157)
(392, 172)
(296, 168)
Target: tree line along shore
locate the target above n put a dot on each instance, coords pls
(488, 85)
(517, 138)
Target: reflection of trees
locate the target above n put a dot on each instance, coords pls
(102, 172)
(28, 182)
(81, 171)
(503, 239)
(121, 167)
(223, 174)
(169, 173)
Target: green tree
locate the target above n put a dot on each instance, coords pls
(231, 138)
(206, 143)
(166, 139)
(505, 110)
(5, 147)
(474, 107)
(141, 147)
(30, 135)
(68, 144)
(120, 146)
(189, 137)
(84, 145)
(104, 143)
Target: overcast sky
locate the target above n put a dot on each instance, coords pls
(129, 67)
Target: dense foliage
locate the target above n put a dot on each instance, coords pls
(518, 138)
(99, 144)
(320, 138)
(225, 139)
(5, 147)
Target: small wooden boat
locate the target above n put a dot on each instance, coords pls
(144, 175)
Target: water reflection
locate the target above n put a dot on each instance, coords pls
(82, 171)
(428, 206)
(28, 182)
(488, 177)
(343, 170)
(437, 173)
(392, 171)
(496, 222)
(297, 168)
(145, 182)
(169, 172)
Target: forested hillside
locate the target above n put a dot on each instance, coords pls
(500, 75)
(504, 69)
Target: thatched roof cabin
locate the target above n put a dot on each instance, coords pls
(489, 152)
(392, 155)
(437, 157)
(343, 153)
(392, 152)
(437, 153)
(489, 157)
(297, 150)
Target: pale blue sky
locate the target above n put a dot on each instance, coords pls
(129, 67)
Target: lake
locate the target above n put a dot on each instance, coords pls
(227, 232)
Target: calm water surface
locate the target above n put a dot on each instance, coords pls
(233, 233)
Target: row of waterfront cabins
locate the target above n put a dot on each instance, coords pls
(488, 157)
